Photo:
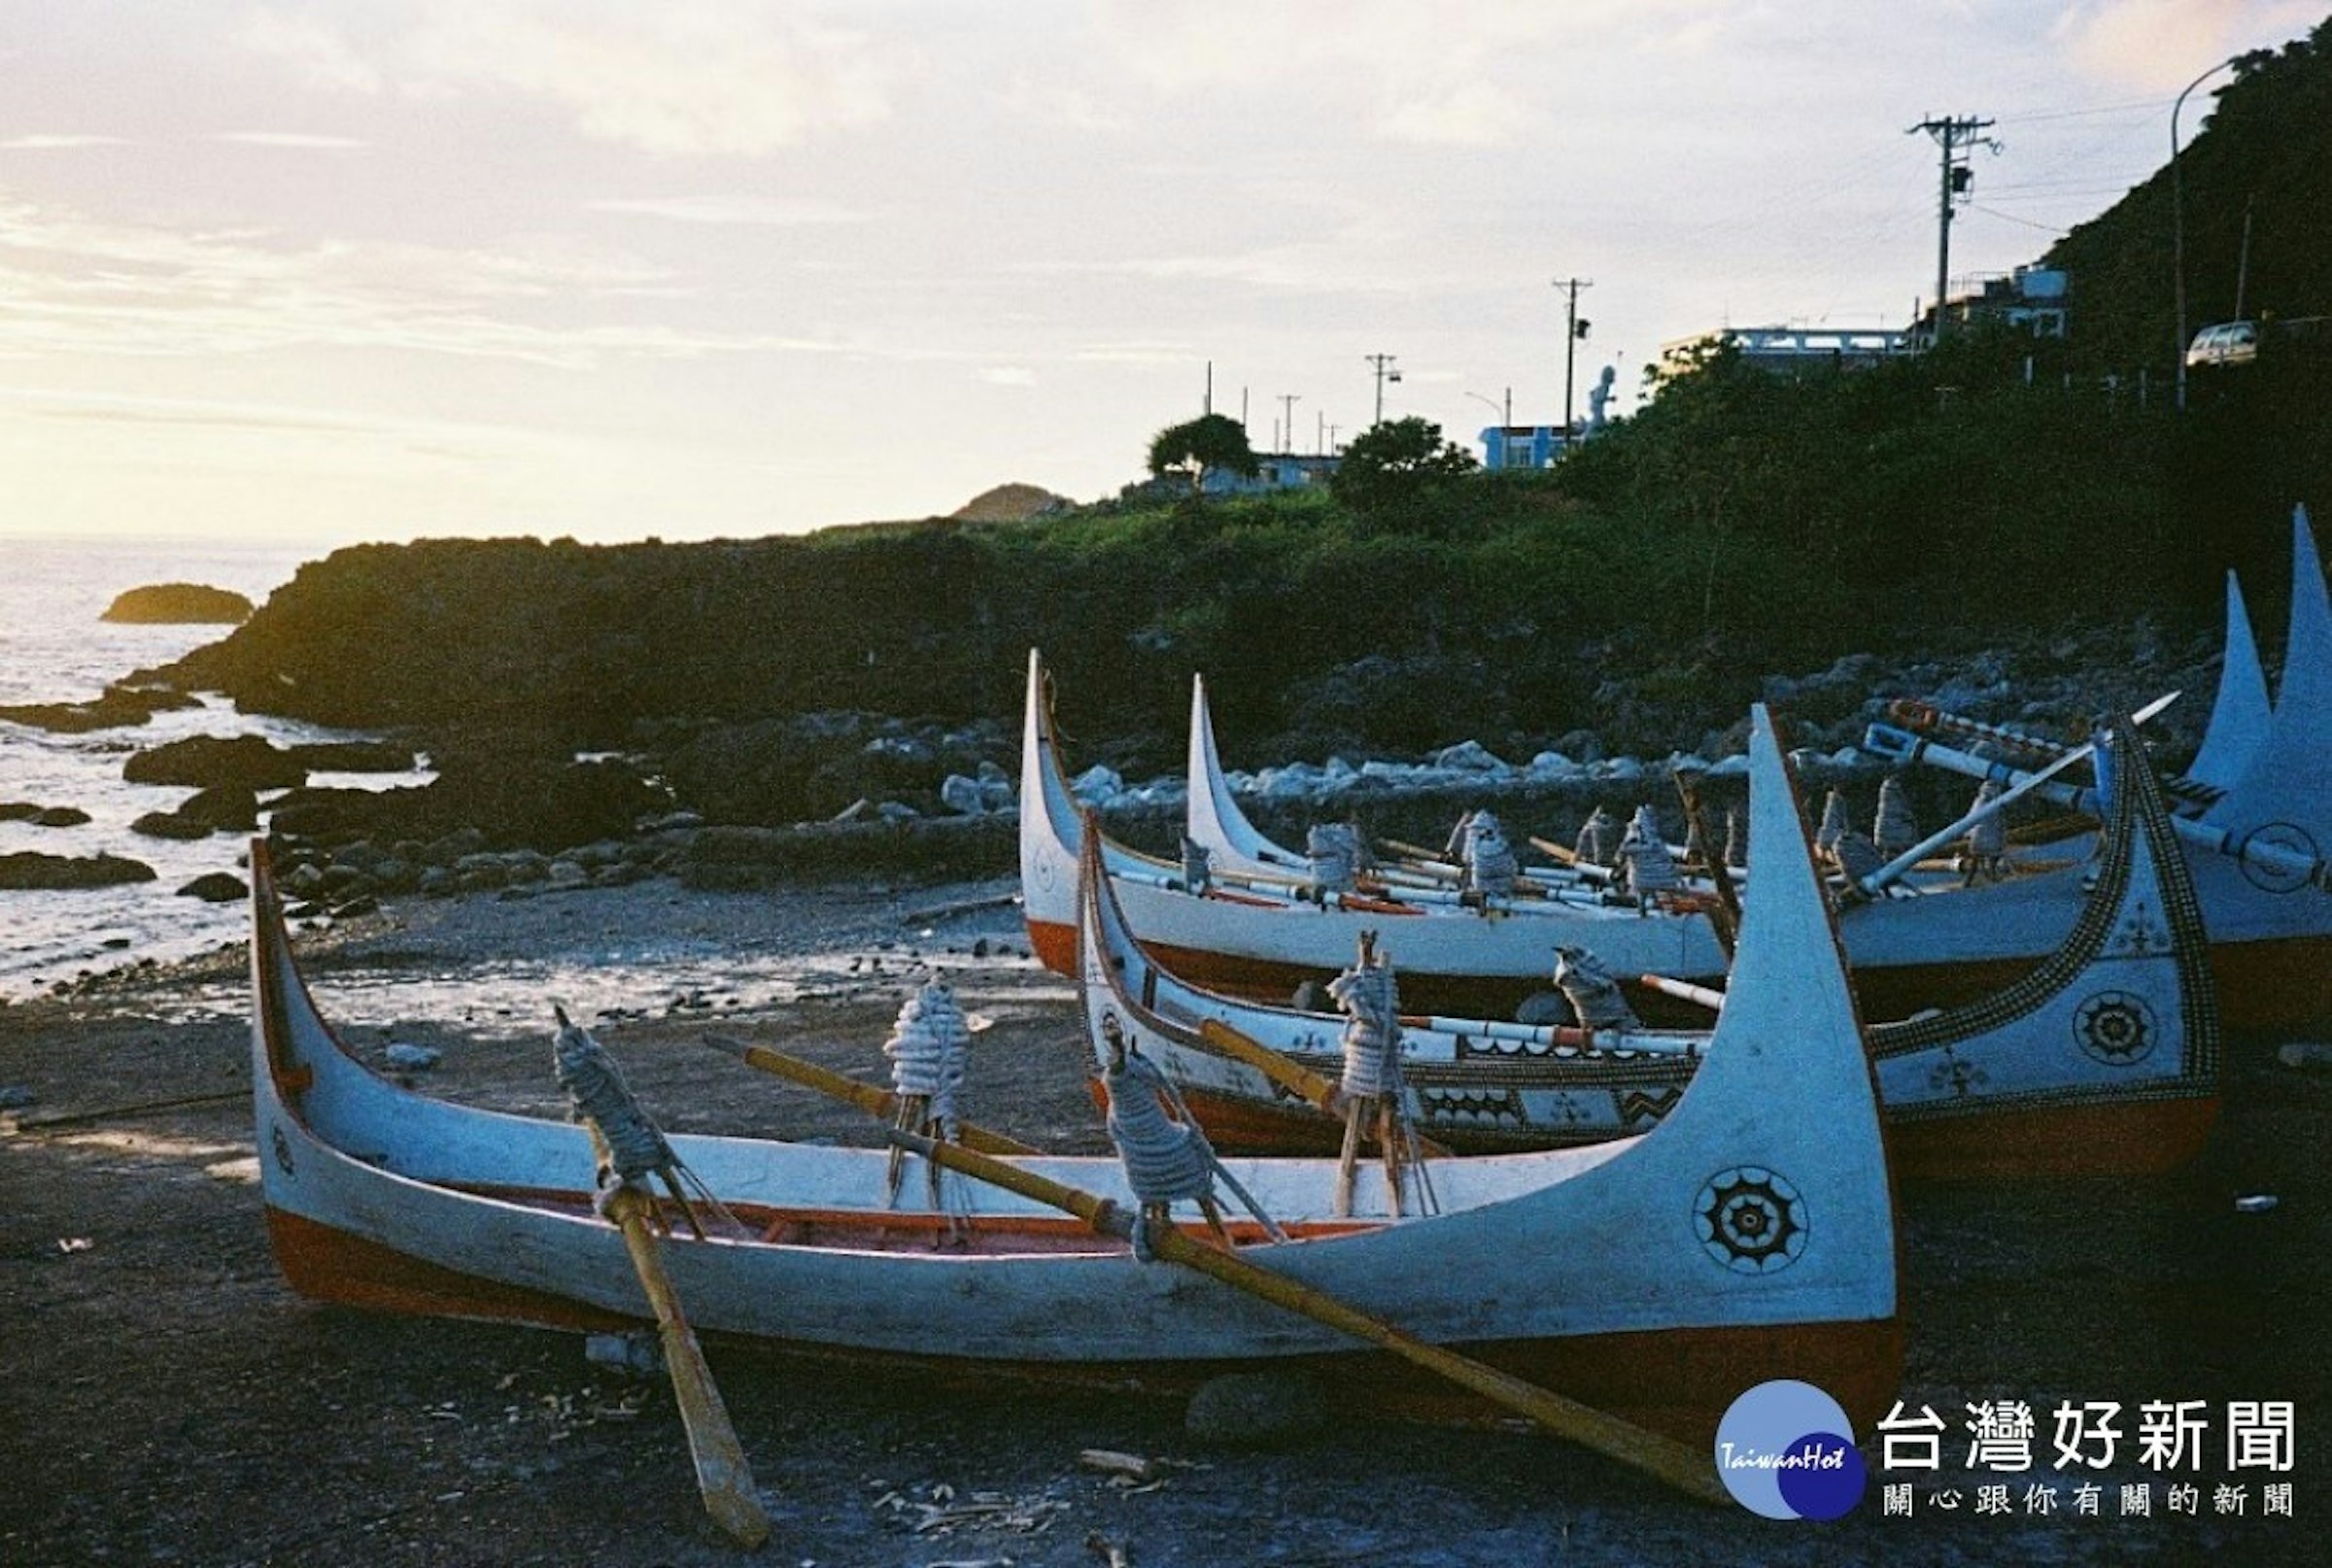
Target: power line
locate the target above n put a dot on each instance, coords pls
(2079, 114)
(2012, 217)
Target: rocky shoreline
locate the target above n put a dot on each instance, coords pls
(822, 797)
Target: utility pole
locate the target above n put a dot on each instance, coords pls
(1385, 372)
(2243, 258)
(1956, 137)
(1573, 330)
(1210, 402)
(1288, 402)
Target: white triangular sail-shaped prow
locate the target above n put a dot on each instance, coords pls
(2289, 778)
(1213, 818)
(1789, 994)
(2238, 718)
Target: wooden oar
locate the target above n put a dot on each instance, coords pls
(1421, 862)
(867, 1097)
(1726, 918)
(723, 1476)
(1317, 1089)
(1684, 991)
(1568, 858)
(1872, 885)
(1687, 1469)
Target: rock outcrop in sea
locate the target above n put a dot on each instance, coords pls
(178, 604)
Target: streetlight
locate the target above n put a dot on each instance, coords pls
(1505, 413)
(2177, 224)
(1505, 421)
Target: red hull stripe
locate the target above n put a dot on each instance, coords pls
(1678, 1382)
(2263, 986)
(2132, 1138)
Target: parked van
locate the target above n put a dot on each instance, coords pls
(2226, 344)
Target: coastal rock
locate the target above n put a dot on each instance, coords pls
(231, 808)
(178, 604)
(1468, 756)
(43, 816)
(352, 757)
(216, 762)
(121, 707)
(170, 824)
(974, 797)
(216, 887)
(30, 869)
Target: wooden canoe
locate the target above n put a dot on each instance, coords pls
(2103, 1061)
(1751, 1236)
(2269, 940)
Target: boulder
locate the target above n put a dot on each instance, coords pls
(230, 809)
(30, 869)
(43, 816)
(120, 707)
(178, 604)
(354, 757)
(216, 887)
(172, 826)
(216, 762)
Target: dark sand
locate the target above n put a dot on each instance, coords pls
(170, 1401)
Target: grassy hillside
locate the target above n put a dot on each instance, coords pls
(2264, 149)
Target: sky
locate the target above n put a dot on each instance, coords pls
(320, 272)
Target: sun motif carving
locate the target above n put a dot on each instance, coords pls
(2116, 1028)
(1750, 1219)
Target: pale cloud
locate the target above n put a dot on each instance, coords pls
(292, 141)
(716, 78)
(57, 144)
(1009, 375)
(70, 283)
(102, 408)
(1471, 113)
(1064, 106)
(762, 212)
(1448, 76)
(1347, 262)
(1147, 352)
(318, 56)
(2159, 45)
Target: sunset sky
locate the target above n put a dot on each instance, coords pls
(320, 272)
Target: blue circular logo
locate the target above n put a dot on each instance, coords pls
(1786, 1450)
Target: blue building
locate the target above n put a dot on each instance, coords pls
(1521, 446)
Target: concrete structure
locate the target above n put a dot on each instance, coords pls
(1520, 445)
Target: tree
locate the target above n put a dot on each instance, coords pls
(1395, 465)
(1210, 442)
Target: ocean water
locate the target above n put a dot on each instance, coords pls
(54, 648)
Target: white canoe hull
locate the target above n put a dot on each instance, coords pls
(1551, 1263)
